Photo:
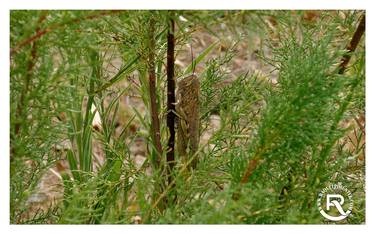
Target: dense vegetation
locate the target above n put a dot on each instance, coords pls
(281, 116)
